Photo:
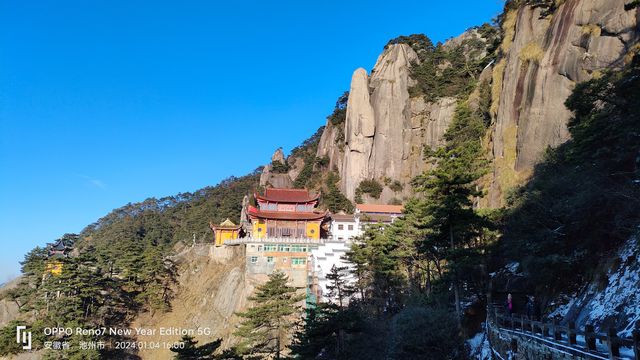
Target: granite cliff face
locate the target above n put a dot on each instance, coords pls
(273, 178)
(545, 50)
(544, 56)
(385, 129)
(212, 288)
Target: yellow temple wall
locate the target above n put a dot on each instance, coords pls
(224, 235)
(259, 229)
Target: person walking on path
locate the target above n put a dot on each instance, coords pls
(509, 305)
(530, 307)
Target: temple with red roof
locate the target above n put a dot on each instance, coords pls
(286, 213)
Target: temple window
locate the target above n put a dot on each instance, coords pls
(298, 248)
(283, 247)
(298, 261)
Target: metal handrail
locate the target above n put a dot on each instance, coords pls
(554, 331)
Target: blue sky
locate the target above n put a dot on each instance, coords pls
(108, 102)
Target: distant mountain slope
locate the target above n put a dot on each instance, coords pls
(178, 217)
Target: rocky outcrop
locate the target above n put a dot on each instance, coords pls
(331, 146)
(544, 57)
(611, 300)
(212, 289)
(466, 41)
(360, 127)
(390, 101)
(385, 129)
(8, 309)
(271, 178)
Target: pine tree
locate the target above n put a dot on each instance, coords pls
(158, 276)
(34, 262)
(8, 344)
(189, 350)
(340, 288)
(315, 335)
(333, 199)
(33, 269)
(378, 269)
(357, 256)
(452, 224)
(325, 331)
(266, 324)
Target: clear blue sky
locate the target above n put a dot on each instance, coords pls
(108, 102)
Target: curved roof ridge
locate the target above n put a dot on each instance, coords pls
(287, 195)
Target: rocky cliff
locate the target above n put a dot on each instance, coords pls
(547, 47)
(8, 309)
(276, 173)
(212, 288)
(546, 50)
(611, 299)
(385, 129)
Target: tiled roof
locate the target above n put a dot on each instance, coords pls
(287, 195)
(227, 223)
(377, 208)
(286, 215)
(343, 217)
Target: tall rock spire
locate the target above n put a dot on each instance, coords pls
(390, 101)
(359, 132)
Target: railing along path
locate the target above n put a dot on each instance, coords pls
(586, 343)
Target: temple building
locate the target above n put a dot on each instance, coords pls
(227, 230)
(377, 213)
(282, 230)
(286, 232)
(56, 252)
(286, 213)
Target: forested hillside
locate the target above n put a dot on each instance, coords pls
(119, 266)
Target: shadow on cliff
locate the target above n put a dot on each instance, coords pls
(581, 203)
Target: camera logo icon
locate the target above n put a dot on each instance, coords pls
(25, 339)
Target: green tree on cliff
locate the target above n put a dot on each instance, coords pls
(267, 323)
(449, 189)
